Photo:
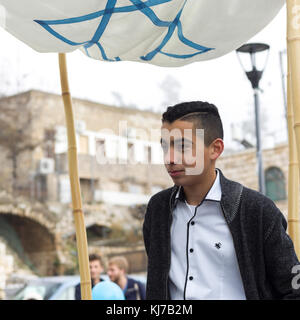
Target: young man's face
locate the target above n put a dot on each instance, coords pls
(95, 269)
(114, 272)
(186, 157)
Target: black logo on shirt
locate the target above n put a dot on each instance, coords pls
(218, 245)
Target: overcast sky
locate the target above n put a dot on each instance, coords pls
(220, 81)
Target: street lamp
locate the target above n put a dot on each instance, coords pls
(253, 58)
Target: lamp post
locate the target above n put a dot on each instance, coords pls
(253, 59)
(282, 58)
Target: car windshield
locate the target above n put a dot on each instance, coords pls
(37, 290)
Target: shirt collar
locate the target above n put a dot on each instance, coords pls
(215, 192)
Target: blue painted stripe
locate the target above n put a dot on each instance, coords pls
(184, 56)
(86, 51)
(174, 24)
(189, 42)
(138, 5)
(142, 6)
(168, 36)
(59, 36)
(105, 20)
(95, 15)
(103, 54)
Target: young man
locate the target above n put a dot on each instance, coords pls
(117, 272)
(96, 268)
(208, 237)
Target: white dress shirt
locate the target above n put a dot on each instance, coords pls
(203, 258)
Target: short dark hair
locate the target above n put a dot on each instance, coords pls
(204, 115)
(94, 257)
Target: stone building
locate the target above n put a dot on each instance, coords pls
(120, 167)
(42, 172)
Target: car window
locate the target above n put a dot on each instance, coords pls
(37, 290)
(67, 294)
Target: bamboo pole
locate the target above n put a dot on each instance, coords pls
(293, 181)
(81, 238)
(293, 51)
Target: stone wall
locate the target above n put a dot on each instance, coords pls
(242, 167)
(6, 268)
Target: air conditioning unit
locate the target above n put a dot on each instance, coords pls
(80, 126)
(46, 166)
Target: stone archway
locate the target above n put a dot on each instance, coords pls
(33, 241)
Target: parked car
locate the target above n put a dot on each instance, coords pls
(49, 288)
(55, 288)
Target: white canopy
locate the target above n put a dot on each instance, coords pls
(161, 32)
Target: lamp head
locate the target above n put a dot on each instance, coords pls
(253, 58)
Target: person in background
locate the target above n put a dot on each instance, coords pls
(117, 272)
(96, 268)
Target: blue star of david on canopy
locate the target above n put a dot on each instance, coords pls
(137, 5)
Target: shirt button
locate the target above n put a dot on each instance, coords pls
(192, 223)
(191, 250)
(191, 278)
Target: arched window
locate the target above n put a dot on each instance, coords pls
(275, 184)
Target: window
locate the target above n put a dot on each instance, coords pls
(148, 156)
(67, 294)
(41, 191)
(87, 189)
(37, 290)
(49, 143)
(83, 144)
(275, 184)
(130, 152)
(135, 188)
(100, 149)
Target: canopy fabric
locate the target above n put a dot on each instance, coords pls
(167, 33)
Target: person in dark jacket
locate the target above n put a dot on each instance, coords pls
(208, 237)
(96, 268)
(117, 272)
